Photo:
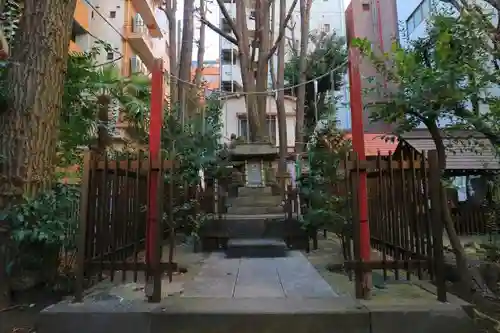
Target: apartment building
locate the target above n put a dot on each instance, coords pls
(377, 21)
(136, 31)
(328, 16)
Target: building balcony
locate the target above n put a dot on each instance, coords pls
(146, 8)
(227, 45)
(82, 15)
(142, 43)
(231, 77)
(229, 56)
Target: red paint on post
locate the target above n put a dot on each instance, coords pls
(358, 141)
(155, 126)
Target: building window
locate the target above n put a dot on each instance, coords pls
(112, 14)
(271, 128)
(366, 7)
(110, 56)
(418, 16)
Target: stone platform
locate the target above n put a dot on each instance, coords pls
(256, 248)
(289, 277)
(279, 295)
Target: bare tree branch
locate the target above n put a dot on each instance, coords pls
(229, 20)
(283, 27)
(223, 34)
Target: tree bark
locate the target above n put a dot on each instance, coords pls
(169, 8)
(305, 8)
(280, 103)
(29, 125)
(186, 54)
(201, 47)
(103, 137)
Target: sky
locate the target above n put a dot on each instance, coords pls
(211, 37)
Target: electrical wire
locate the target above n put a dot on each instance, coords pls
(267, 92)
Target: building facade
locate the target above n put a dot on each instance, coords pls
(230, 74)
(328, 16)
(375, 20)
(134, 29)
(236, 122)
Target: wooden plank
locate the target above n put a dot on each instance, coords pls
(126, 266)
(373, 167)
(144, 165)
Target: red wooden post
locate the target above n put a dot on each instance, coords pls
(358, 143)
(155, 125)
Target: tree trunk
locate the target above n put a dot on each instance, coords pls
(29, 125)
(255, 86)
(470, 277)
(199, 67)
(103, 138)
(263, 67)
(256, 128)
(186, 53)
(305, 7)
(280, 104)
(170, 8)
(201, 47)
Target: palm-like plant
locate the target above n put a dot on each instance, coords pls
(91, 94)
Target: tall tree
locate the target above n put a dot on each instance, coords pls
(305, 12)
(186, 54)
(435, 78)
(201, 46)
(280, 102)
(254, 71)
(199, 63)
(169, 7)
(327, 52)
(35, 79)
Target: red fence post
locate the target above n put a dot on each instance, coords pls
(358, 143)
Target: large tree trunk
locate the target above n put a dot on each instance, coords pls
(305, 8)
(29, 125)
(201, 47)
(263, 66)
(199, 66)
(186, 54)
(256, 128)
(170, 7)
(254, 84)
(280, 103)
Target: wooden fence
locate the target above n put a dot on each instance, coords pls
(405, 219)
(113, 220)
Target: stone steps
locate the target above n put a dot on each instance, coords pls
(254, 227)
(254, 191)
(257, 201)
(245, 210)
(256, 248)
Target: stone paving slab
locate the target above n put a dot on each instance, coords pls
(291, 276)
